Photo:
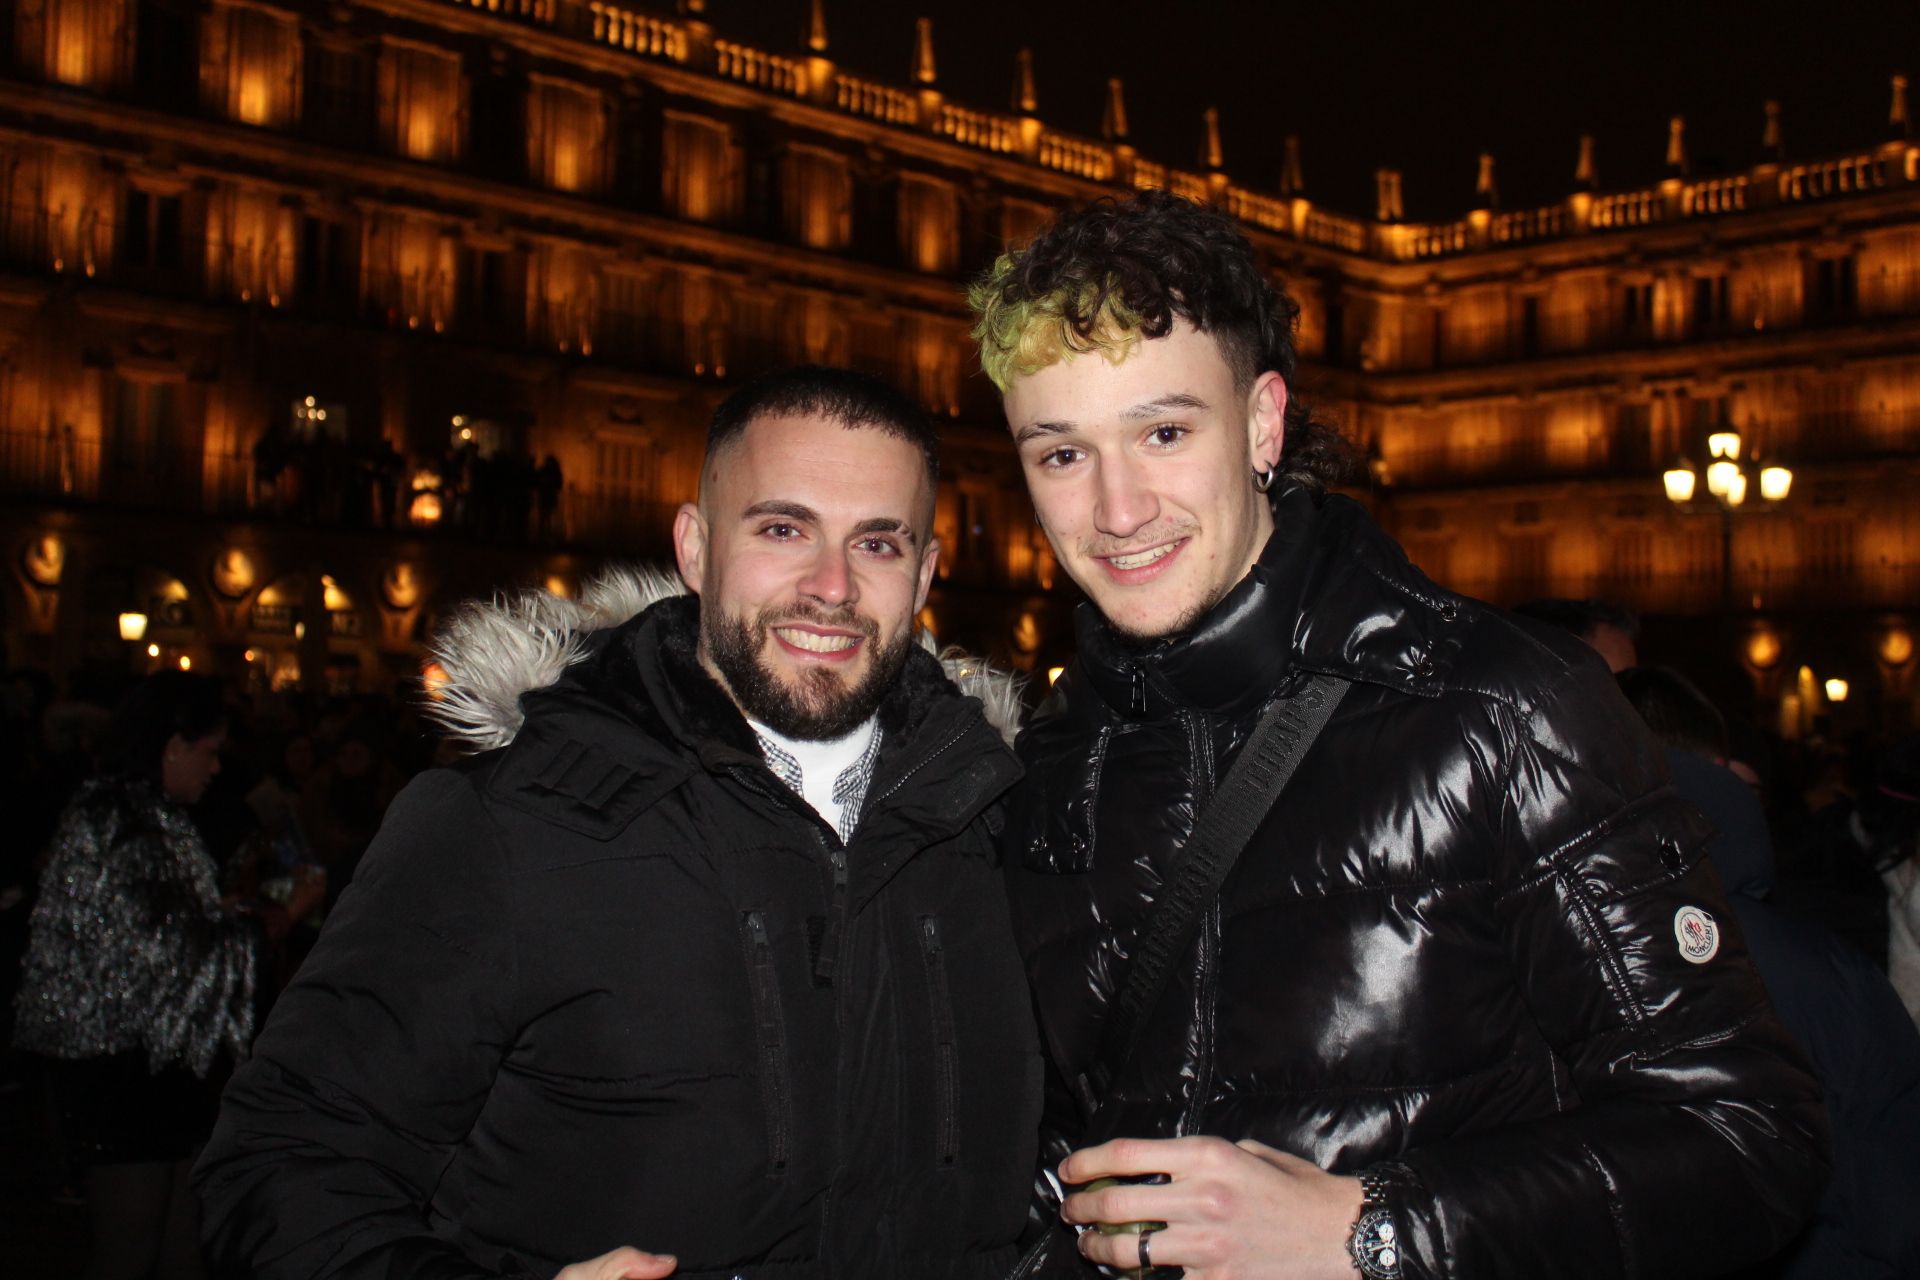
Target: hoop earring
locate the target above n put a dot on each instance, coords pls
(1263, 480)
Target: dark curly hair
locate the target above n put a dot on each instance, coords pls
(160, 707)
(1100, 277)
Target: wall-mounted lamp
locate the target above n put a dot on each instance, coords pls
(133, 627)
(1896, 647)
(1837, 689)
(233, 573)
(1763, 649)
(400, 585)
(44, 559)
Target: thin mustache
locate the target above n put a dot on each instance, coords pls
(821, 618)
(1137, 544)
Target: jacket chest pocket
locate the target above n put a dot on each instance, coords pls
(946, 1050)
(770, 1040)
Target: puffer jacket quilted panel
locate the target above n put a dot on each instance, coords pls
(1449, 952)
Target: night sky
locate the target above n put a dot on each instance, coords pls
(1421, 87)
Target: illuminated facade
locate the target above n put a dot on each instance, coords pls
(316, 319)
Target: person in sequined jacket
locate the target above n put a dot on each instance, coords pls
(1470, 1003)
(138, 977)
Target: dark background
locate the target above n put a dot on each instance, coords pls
(1420, 87)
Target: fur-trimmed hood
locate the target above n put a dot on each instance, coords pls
(492, 652)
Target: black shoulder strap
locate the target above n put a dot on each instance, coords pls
(1259, 773)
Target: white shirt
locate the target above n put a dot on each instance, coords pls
(831, 775)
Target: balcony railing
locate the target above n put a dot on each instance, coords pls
(1540, 457)
(1573, 331)
(327, 486)
(1697, 590)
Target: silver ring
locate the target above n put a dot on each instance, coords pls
(1146, 1259)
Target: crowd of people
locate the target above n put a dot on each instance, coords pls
(320, 477)
(172, 849)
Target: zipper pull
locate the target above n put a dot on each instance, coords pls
(1139, 691)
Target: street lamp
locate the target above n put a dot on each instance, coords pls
(1730, 481)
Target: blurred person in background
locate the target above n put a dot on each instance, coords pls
(343, 800)
(139, 976)
(1864, 1049)
(1610, 630)
(1885, 826)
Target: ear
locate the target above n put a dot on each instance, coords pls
(1267, 420)
(690, 545)
(928, 563)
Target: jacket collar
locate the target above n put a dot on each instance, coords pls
(1230, 659)
(1329, 593)
(639, 713)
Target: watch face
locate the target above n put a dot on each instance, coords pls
(1376, 1245)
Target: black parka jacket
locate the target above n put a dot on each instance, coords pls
(1449, 954)
(615, 984)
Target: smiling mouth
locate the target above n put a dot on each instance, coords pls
(1141, 559)
(814, 642)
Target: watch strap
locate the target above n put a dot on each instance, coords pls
(1373, 1242)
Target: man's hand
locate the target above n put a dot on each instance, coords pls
(1231, 1209)
(622, 1264)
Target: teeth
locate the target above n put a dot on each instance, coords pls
(1143, 558)
(816, 643)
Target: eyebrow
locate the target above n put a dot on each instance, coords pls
(801, 511)
(1172, 400)
(1137, 413)
(885, 524)
(776, 507)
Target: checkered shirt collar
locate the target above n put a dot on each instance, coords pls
(849, 789)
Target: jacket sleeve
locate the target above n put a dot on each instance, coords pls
(1692, 1138)
(374, 1064)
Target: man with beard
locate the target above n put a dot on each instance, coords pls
(1460, 998)
(705, 952)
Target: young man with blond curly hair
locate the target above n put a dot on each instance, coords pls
(1466, 1002)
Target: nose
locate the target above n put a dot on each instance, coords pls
(1123, 503)
(829, 579)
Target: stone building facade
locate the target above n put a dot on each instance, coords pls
(317, 318)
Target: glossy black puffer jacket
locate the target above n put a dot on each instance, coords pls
(1449, 955)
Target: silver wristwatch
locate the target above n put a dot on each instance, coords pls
(1374, 1244)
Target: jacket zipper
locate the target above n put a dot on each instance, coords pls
(770, 1031)
(922, 763)
(836, 852)
(827, 963)
(946, 1067)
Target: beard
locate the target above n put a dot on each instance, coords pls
(1142, 642)
(821, 705)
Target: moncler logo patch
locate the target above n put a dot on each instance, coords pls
(1697, 934)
